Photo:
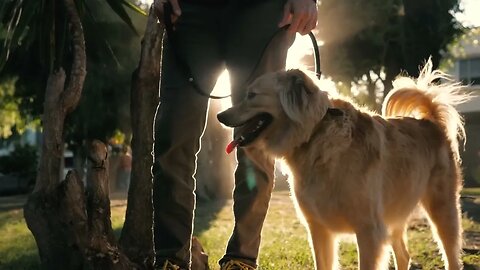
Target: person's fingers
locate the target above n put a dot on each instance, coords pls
(302, 16)
(313, 23)
(287, 16)
(297, 22)
(310, 25)
(303, 26)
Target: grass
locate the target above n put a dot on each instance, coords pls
(284, 241)
(471, 191)
(17, 246)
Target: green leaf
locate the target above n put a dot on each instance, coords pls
(134, 7)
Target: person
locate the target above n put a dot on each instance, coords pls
(242, 36)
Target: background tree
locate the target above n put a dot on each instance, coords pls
(112, 52)
(367, 43)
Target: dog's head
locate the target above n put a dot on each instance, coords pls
(278, 113)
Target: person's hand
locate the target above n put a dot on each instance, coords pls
(158, 6)
(301, 15)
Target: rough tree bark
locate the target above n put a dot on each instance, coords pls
(71, 227)
(82, 218)
(71, 224)
(136, 237)
(41, 210)
(86, 214)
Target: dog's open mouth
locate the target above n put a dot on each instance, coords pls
(249, 131)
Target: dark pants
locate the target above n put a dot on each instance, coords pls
(212, 38)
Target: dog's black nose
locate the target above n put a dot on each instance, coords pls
(221, 117)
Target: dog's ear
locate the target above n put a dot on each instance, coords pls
(294, 96)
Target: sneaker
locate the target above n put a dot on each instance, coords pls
(236, 265)
(170, 266)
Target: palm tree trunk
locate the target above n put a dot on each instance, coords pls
(72, 227)
(136, 238)
(71, 224)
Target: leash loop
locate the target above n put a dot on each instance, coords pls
(316, 55)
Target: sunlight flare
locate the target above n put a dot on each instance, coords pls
(300, 51)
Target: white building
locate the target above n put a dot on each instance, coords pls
(29, 137)
(467, 69)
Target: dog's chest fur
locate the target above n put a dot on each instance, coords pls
(327, 194)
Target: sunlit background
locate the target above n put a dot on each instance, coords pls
(471, 12)
(302, 47)
(301, 50)
(366, 43)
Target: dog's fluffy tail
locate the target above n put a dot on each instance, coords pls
(425, 98)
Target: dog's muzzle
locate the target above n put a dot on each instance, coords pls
(247, 131)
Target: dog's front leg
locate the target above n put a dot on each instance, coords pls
(323, 245)
(371, 241)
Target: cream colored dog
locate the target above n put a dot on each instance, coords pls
(358, 172)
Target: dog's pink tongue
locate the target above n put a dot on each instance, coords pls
(231, 146)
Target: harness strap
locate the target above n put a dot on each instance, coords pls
(185, 68)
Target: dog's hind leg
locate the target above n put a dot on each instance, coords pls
(442, 206)
(324, 247)
(445, 223)
(371, 242)
(402, 257)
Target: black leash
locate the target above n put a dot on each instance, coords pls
(168, 11)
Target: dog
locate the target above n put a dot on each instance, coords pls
(358, 172)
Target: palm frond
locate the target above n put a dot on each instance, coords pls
(41, 25)
(134, 7)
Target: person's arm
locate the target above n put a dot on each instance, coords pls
(301, 15)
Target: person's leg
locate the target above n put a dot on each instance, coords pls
(249, 35)
(179, 123)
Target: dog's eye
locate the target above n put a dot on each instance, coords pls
(251, 95)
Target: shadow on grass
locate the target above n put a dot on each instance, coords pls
(471, 206)
(11, 208)
(205, 213)
(24, 262)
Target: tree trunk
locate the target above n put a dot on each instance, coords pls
(41, 211)
(72, 225)
(42, 205)
(136, 237)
